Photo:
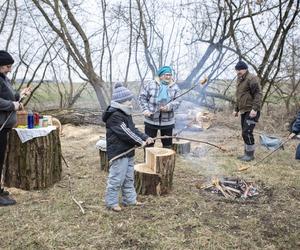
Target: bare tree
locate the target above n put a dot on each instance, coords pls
(75, 39)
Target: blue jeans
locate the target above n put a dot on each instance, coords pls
(120, 178)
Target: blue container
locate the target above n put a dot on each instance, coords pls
(30, 120)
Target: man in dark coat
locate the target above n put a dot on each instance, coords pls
(295, 131)
(248, 105)
(9, 104)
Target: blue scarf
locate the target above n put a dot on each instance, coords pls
(163, 95)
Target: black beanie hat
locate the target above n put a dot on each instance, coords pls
(241, 65)
(5, 58)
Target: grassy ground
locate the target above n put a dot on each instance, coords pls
(187, 218)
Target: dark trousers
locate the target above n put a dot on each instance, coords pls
(3, 143)
(152, 132)
(248, 125)
(297, 156)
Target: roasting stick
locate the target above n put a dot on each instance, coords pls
(261, 160)
(166, 137)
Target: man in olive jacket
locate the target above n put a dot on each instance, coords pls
(248, 105)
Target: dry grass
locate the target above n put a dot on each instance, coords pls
(185, 219)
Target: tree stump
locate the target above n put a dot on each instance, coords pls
(101, 145)
(35, 164)
(181, 146)
(104, 165)
(155, 176)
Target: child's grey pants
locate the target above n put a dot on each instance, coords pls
(121, 177)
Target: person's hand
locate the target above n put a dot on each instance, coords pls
(25, 92)
(147, 113)
(164, 108)
(144, 144)
(149, 141)
(17, 106)
(253, 113)
(235, 114)
(292, 135)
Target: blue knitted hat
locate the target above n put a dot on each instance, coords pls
(164, 70)
(241, 65)
(121, 93)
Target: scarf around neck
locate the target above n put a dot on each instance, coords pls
(163, 94)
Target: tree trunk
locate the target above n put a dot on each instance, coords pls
(155, 176)
(98, 86)
(181, 147)
(35, 164)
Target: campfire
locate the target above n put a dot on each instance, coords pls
(231, 188)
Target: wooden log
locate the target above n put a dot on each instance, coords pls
(35, 164)
(155, 176)
(181, 146)
(104, 165)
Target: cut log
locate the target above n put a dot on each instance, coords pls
(181, 146)
(35, 164)
(155, 176)
(104, 165)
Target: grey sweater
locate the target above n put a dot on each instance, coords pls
(7, 96)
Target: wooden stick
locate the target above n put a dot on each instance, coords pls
(166, 137)
(261, 160)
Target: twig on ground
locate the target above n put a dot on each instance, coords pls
(70, 187)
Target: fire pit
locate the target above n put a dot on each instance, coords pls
(231, 188)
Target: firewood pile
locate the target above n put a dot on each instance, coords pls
(231, 188)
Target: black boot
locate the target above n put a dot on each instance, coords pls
(3, 192)
(6, 201)
(249, 156)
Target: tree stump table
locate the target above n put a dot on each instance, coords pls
(35, 164)
(181, 146)
(155, 176)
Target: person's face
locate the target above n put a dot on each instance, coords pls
(128, 103)
(241, 72)
(166, 77)
(5, 69)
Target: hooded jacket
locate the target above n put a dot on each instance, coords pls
(7, 97)
(148, 100)
(248, 93)
(121, 133)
